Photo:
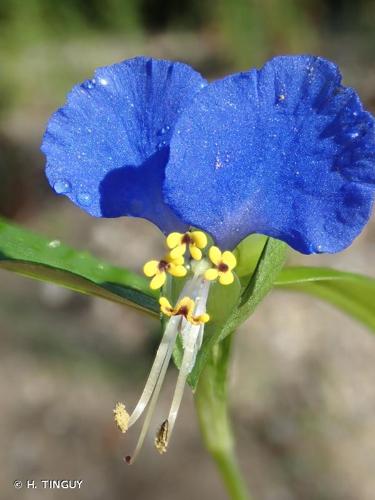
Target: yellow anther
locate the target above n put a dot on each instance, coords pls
(161, 439)
(185, 307)
(224, 263)
(121, 417)
(158, 269)
(195, 240)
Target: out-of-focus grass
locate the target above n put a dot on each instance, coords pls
(39, 38)
(33, 49)
(254, 30)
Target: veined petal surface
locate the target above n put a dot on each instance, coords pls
(286, 151)
(108, 146)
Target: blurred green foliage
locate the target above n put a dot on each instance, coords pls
(47, 44)
(255, 29)
(244, 24)
(33, 20)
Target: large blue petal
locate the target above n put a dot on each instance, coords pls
(108, 146)
(286, 151)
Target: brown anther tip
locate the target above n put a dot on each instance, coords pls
(161, 440)
(128, 459)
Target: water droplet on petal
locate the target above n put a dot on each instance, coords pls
(54, 244)
(352, 133)
(62, 186)
(164, 130)
(161, 145)
(89, 84)
(84, 199)
(218, 163)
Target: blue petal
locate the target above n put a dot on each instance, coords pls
(108, 146)
(286, 151)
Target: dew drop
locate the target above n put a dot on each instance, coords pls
(161, 145)
(89, 84)
(352, 134)
(84, 199)
(62, 186)
(54, 244)
(164, 130)
(218, 163)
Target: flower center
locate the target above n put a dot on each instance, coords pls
(186, 239)
(183, 311)
(222, 267)
(163, 265)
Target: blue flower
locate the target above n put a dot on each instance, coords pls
(107, 148)
(285, 151)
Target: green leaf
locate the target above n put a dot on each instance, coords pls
(247, 254)
(352, 293)
(230, 306)
(31, 255)
(261, 282)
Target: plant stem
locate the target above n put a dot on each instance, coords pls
(212, 408)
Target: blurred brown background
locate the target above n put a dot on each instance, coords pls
(303, 396)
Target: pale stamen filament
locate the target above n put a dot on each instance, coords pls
(168, 339)
(158, 371)
(197, 288)
(156, 391)
(191, 335)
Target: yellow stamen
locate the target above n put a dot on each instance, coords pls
(121, 417)
(226, 278)
(194, 240)
(157, 270)
(158, 281)
(185, 308)
(211, 274)
(151, 268)
(200, 320)
(224, 263)
(215, 255)
(165, 306)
